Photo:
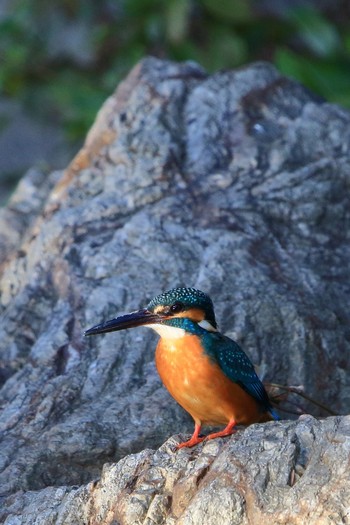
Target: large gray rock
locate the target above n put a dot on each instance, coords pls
(236, 184)
(273, 474)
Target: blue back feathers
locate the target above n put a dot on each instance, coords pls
(237, 366)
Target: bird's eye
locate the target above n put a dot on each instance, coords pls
(176, 307)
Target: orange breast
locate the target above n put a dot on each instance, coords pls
(200, 386)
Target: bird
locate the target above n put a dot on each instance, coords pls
(206, 372)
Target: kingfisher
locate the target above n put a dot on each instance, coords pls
(207, 373)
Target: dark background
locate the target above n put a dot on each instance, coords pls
(59, 60)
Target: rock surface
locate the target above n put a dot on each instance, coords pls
(237, 184)
(280, 473)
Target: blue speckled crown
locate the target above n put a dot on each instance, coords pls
(190, 297)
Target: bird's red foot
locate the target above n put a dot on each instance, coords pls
(195, 439)
(227, 431)
(190, 443)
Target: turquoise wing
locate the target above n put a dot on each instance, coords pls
(237, 366)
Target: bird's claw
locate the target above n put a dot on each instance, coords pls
(190, 443)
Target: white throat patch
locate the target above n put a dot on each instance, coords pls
(168, 332)
(173, 332)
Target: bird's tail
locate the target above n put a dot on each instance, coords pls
(269, 415)
(274, 414)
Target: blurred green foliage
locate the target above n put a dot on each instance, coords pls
(63, 58)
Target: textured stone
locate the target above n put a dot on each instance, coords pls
(237, 184)
(280, 473)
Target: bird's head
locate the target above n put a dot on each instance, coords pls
(166, 313)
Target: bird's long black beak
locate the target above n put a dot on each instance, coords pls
(138, 318)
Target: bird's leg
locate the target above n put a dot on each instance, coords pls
(227, 431)
(195, 439)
